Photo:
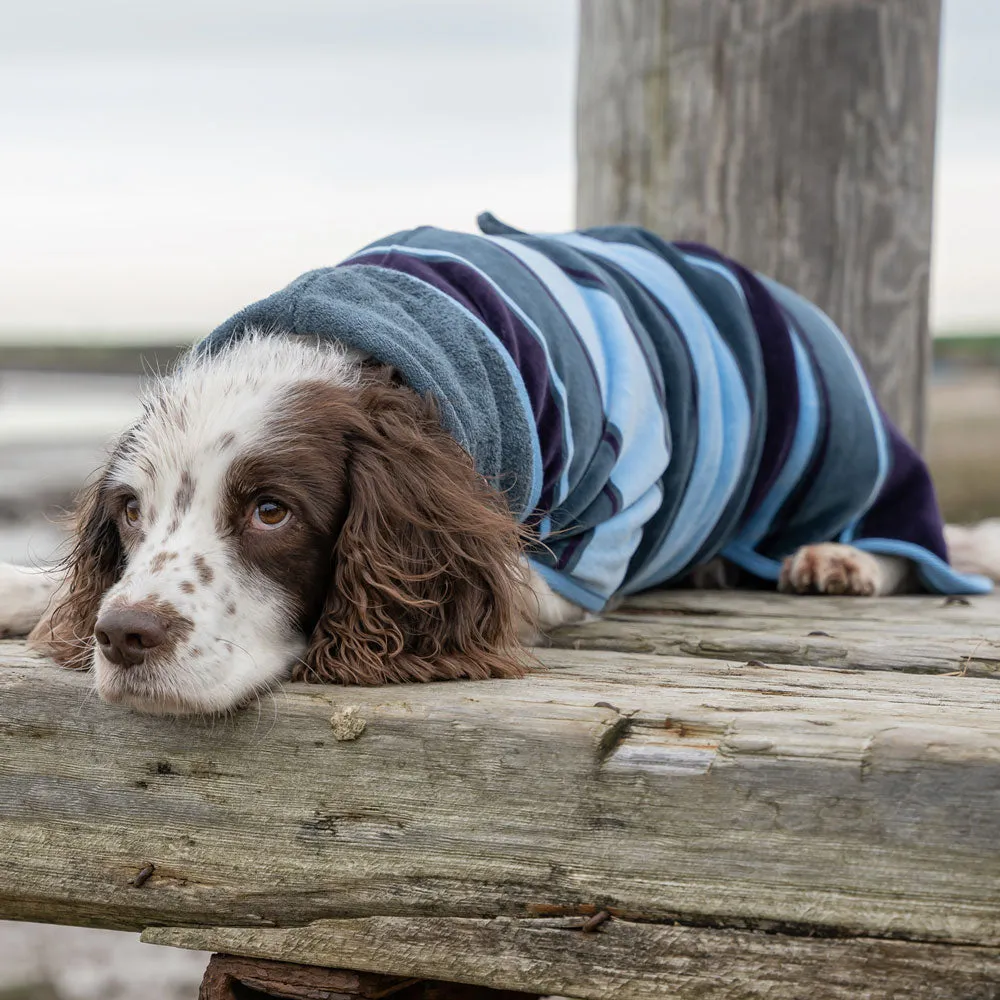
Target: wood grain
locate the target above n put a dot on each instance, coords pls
(226, 973)
(624, 961)
(707, 791)
(908, 634)
(795, 135)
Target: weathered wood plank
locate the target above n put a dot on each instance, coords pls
(795, 135)
(296, 982)
(226, 973)
(666, 788)
(623, 961)
(911, 634)
(886, 612)
(858, 646)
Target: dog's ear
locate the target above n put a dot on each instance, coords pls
(95, 563)
(426, 580)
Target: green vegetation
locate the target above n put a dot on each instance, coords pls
(102, 358)
(968, 348)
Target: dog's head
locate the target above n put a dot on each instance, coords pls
(283, 511)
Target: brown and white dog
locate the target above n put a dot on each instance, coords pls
(286, 510)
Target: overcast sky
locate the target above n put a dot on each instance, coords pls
(164, 164)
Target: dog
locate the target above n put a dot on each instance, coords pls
(412, 465)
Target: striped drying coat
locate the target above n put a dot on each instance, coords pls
(646, 405)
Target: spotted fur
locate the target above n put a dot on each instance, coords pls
(399, 563)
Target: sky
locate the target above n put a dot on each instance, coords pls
(165, 164)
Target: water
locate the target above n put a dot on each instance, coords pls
(55, 429)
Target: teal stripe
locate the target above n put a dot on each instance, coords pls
(519, 387)
(723, 410)
(787, 296)
(742, 550)
(557, 383)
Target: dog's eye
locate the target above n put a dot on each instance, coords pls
(132, 511)
(270, 514)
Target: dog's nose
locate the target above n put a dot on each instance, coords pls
(126, 635)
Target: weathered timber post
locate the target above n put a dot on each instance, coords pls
(794, 135)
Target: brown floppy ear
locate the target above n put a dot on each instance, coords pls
(94, 564)
(426, 581)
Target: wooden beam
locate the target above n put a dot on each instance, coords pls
(623, 960)
(663, 788)
(795, 135)
(227, 973)
(230, 977)
(938, 637)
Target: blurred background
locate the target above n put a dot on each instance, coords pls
(165, 164)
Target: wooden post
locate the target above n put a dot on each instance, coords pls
(794, 135)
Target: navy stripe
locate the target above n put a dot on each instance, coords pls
(569, 550)
(616, 290)
(467, 287)
(788, 525)
(613, 438)
(907, 488)
(737, 330)
(780, 381)
(568, 355)
(613, 498)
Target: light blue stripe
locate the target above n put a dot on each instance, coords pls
(557, 382)
(629, 391)
(707, 264)
(565, 586)
(753, 562)
(934, 572)
(632, 406)
(736, 418)
(519, 388)
(569, 297)
(781, 293)
(742, 550)
(604, 561)
(723, 409)
(644, 455)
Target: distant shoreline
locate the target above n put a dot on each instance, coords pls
(144, 357)
(115, 359)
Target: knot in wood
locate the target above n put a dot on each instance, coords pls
(347, 723)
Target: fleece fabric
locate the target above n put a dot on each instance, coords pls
(645, 405)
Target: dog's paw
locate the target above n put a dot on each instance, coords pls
(830, 568)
